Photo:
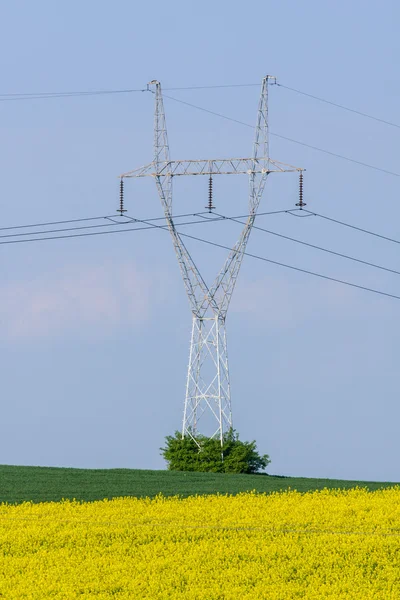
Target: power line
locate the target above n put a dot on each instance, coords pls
(213, 87)
(336, 155)
(77, 93)
(283, 137)
(66, 221)
(286, 237)
(149, 222)
(184, 215)
(149, 225)
(352, 110)
(211, 112)
(378, 235)
(274, 262)
(203, 220)
(49, 95)
(49, 223)
(81, 93)
(113, 223)
(255, 256)
(45, 95)
(47, 231)
(77, 235)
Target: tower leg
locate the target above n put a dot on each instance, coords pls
(207, 388)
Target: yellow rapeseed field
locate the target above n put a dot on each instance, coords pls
(328, 544)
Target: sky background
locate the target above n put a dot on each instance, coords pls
(94, 332)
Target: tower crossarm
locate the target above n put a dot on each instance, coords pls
(214, 166)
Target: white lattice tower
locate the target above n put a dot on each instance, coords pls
(208, 393)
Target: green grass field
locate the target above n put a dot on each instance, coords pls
(40, 484)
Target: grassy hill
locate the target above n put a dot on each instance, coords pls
(40, 484)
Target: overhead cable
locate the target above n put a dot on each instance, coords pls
(48, 95)
(77, 93)
(148, 226)
(70, 94)
(315, 247)
(352, 110)
(264, 259)
(50, 223)
(44, 95)
(283, 137)
(367, 231)
(77, 235)
(112, 222)
(280, 264)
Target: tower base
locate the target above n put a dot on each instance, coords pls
(208, 395)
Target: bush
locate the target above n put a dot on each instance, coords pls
(204, 454)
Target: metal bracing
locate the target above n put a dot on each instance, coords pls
(214, 166)
(207, 386)
(208, 395)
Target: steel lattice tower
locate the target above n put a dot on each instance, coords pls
(207, 386)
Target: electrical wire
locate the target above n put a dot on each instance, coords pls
(352, 110)
(71, 94)
(45, 95)
(113, 223)
(148, 225)
(47, 231)
(286, 237)
(185, 215)
(378, 235)
(77, 235)
(66, 221)
(211, 112)
(49, 95)
(219, 217)
(336, 155)
(280, 264)
(213, 87)
(262, 258)
(49, 223)
(283, 137)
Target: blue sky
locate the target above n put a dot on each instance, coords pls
(94, 333)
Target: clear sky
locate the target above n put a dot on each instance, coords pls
(94, 332)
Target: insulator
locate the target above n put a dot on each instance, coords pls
(121, 208)
(210, 205)
(300, 203)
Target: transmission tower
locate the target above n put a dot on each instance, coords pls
(208, 393)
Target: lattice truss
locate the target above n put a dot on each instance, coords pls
(208, 393)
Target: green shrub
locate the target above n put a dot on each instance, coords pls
(204, 454)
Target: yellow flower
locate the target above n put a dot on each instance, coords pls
(329, 544)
